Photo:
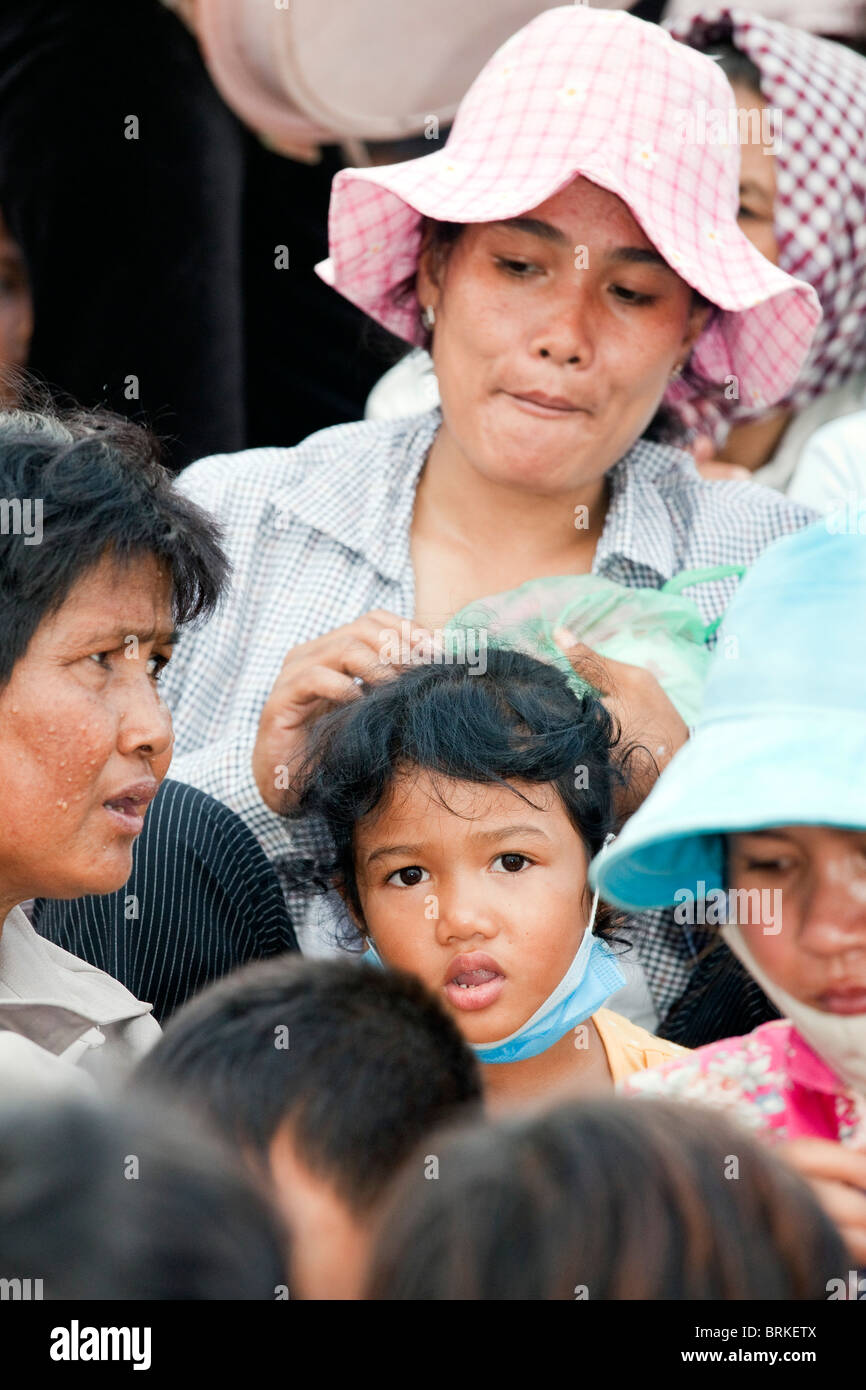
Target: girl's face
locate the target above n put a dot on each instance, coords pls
(816, 947)
(555, 337)
(757, 172)
(485, 901)
(85, 739)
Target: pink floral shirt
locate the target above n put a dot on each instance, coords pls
(770, 1080)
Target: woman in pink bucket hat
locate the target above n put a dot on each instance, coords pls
(597, 95)
(574, 260)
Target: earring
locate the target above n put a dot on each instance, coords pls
(677, 371)
(428, 317)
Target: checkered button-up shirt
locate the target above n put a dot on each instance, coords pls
(320, 534)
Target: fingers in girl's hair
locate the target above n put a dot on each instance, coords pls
(316, 683)
(371, 628)
(398, 642)
(380, 620)
(367, 663)
(356, 654)
(410, 644)
(371, 622)
(348, 668)
(365, 645)
(587, 663)
(580, 654)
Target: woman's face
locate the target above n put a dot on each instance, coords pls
(85, 738)
(816, 946)
(486, 901)
(757, 172)
(555, 337)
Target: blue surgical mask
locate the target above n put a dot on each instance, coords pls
(592, 977)
(372, 957)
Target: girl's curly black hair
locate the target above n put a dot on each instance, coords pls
(516, 721)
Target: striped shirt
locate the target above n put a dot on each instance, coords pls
(201, 901)
(319, 534)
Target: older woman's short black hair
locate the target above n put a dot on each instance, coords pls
(517, 721)
(75, 487)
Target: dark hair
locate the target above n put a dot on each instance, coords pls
(613, 1199)
(102, 490)
(519, 720)
(664, 428)
(110, 1204)
(737, 67)
(359, 1063)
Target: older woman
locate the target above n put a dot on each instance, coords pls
(102, 560)
(572, 263)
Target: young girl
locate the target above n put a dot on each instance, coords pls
(464, 807)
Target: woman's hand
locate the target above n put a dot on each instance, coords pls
(837, 1177)
(313, 675)
(643, 711)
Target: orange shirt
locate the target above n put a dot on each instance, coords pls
(630, 1048)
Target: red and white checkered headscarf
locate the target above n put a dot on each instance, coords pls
(820, 215)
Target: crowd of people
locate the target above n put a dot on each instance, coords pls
(432, 853)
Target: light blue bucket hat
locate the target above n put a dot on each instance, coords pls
(781, 738)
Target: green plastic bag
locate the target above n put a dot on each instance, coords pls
(657, 629)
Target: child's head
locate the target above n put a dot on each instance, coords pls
(464, 809)
(130, 1201)
(757, 826)
(607, 1200)
(325, 1074)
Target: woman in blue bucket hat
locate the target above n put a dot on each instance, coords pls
(758, 829)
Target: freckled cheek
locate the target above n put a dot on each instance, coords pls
(635, 366)
(60, 754)
(483, 328)
(76, 763)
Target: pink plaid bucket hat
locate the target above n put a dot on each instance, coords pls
(601, 94)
